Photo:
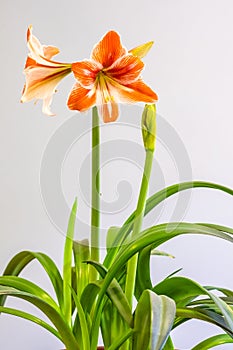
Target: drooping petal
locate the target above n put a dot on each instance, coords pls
(109, 112)
(40, 53)
(126, 69)
(41, 83)
(142, 50)
(81, 99)
(106, 101)
(137, 92)
(108, 50)
(34, 46)
(46, 106)
(85, 72)
(50, 51)
(40, 80)
(42, 74)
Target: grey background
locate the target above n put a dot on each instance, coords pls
(190, 67)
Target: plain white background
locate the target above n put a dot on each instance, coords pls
(190, 67)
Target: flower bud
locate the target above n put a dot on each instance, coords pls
(149, 126)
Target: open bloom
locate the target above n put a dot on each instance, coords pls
(42, 74)
(110, 76)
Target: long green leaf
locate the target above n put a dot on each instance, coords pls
(211, 342)
(153, 321)
(151, 203)
(208, 303)
(169, 344)
(81, 254)
(155, 235)
(227, 292)
(183, 290)
(204, 315)
(116, 294)
(51, 312)
(28, 287)
(29, 317)
(22, 259)
(121, 340)
(85, 336)
(67, 265)
(143, 279)
(180, 289)
(225, 309)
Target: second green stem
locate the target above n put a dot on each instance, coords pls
(132, 263)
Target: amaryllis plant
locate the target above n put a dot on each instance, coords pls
(114, 297)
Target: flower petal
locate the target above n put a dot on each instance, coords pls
(40, 53)
(106, 102)
(85, 72)
(108, 50)
(81, 99)
(126, 69)
(142, 50)
(41, 83)
(46, 106)
(109, 112)
(136, 92)
(50, 51)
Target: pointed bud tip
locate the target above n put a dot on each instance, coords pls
(148, 125)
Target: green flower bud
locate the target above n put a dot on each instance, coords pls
(149, 126)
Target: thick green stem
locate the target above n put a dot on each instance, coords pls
(139, 214)
(95, 197)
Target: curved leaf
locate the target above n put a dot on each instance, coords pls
(81, 253)
(143, 279)
(121, 340)
(85, 337)
(209, 316)
(116, 294)
(27, 287)
(22, 259)
(180, 289)
(213, 341)
(155, 235)
(183, 290)
(153, 321)
(31, 318)
(52, 313)
(152, 202)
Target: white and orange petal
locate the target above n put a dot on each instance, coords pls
(106, 101)
(41, 83)
(42, 54)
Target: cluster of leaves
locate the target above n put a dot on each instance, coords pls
(83, 307)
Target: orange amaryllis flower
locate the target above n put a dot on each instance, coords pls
(42, 74)
(112, 75)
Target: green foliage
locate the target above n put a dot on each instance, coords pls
(154, 317)
(102, 304)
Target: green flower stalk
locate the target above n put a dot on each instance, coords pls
(148, 133)
(95, 198)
